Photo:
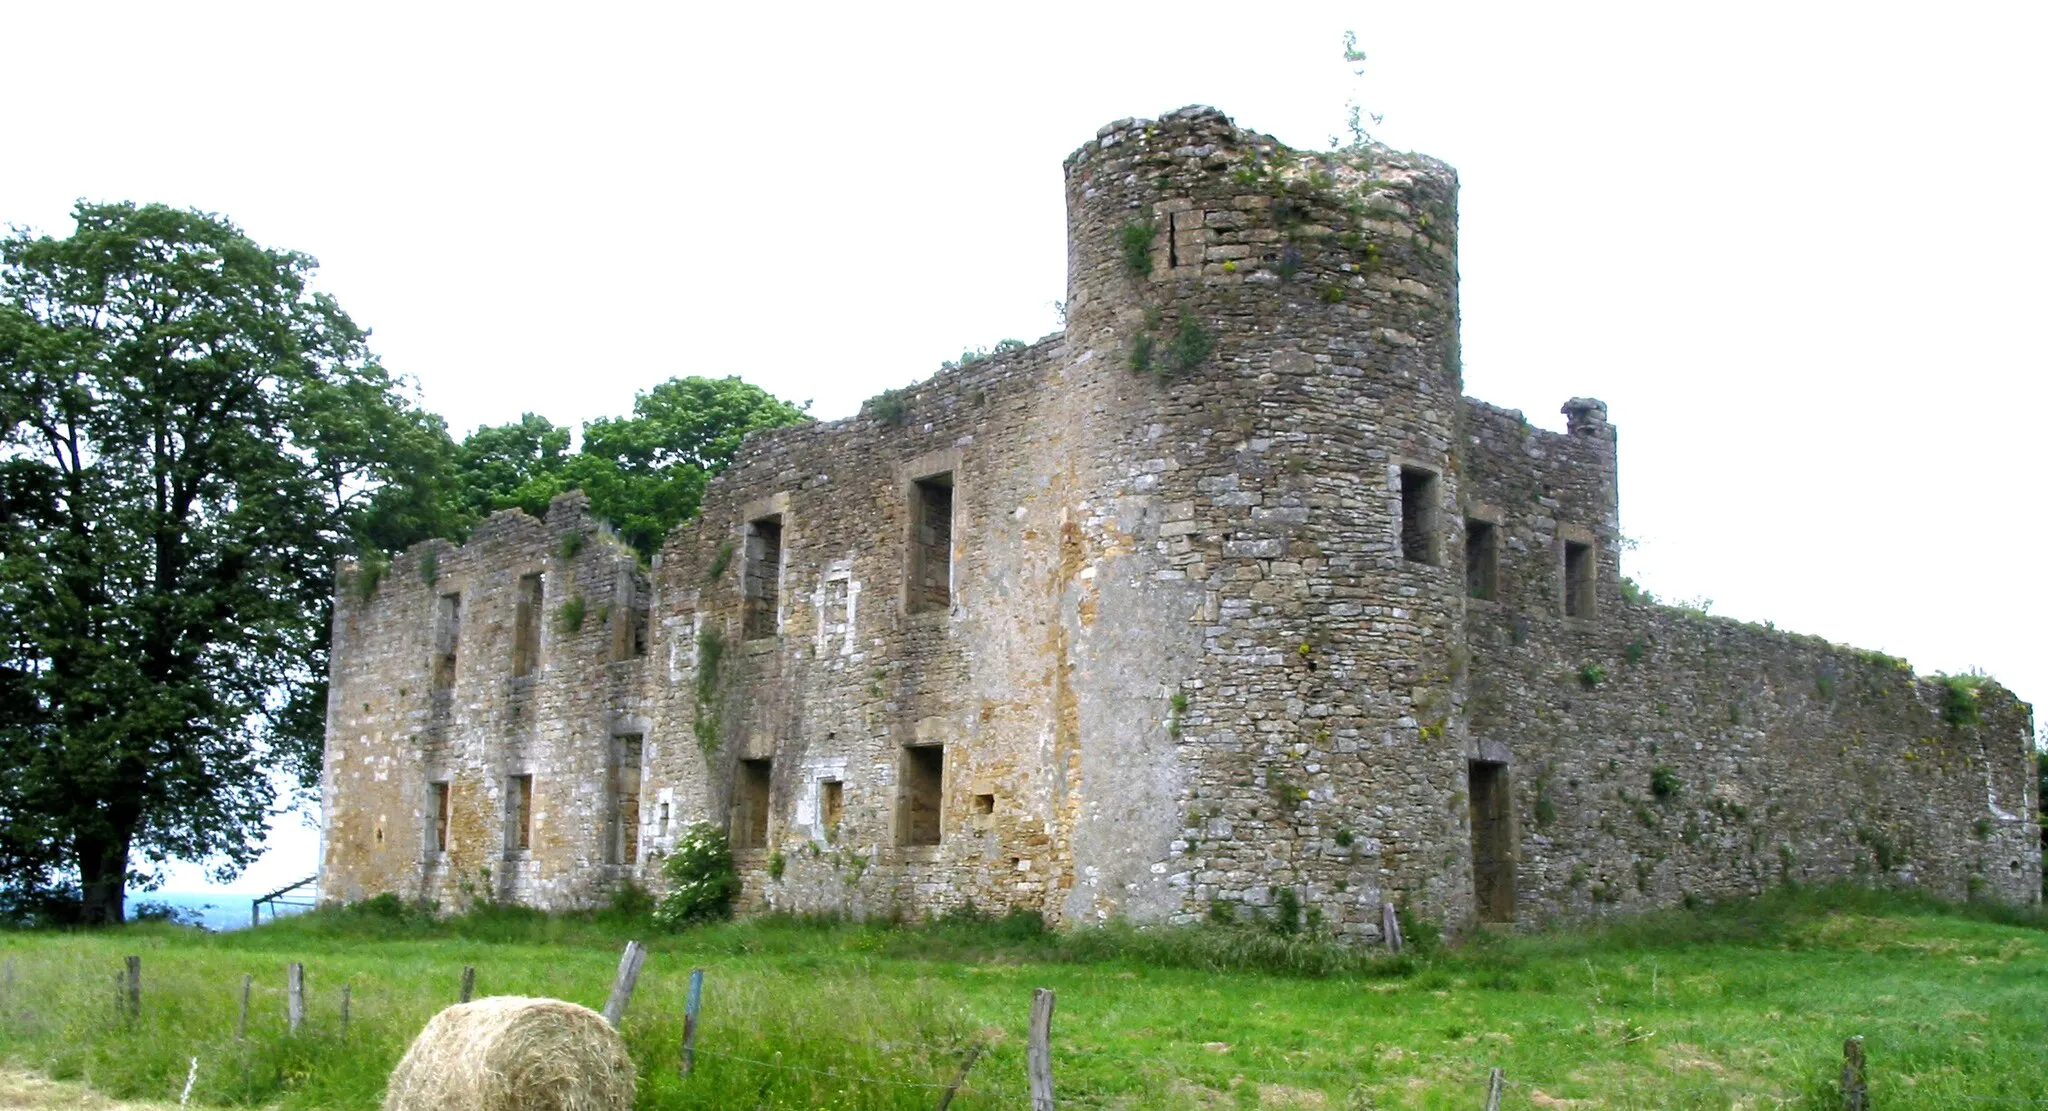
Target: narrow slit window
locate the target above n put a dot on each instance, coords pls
(831, 807)
(763, 574)
(750, 804)
(924, 789)
(1418, 515)
(447, 635)
(1578, 579)
(437, 817)
(519, 813)
(526, 626)
(931, 544)
(1482, 559)
(622, 845)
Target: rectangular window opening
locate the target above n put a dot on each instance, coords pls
(750, 804)
(1493, 849)
(437, 820)
(831, 807)
(924, 788)
(763, 575)
(447, 634)
(622, 845)
(519, 813)
(984, 805)
(931, 544)
(1418, 515)
(526, 626)
(1578, 579)
(1482, 559)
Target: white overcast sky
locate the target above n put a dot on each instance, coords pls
(1797, 248)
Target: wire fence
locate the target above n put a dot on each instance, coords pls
(981, 1070)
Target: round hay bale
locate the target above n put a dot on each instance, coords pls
(510, 1053)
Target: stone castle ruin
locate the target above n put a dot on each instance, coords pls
(1225, 600)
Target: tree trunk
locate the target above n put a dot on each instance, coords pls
(103, 875)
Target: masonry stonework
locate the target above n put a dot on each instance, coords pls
(1224, 599)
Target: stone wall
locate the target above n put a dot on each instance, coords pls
(400, 720)
(1223, 601)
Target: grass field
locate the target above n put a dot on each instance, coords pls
(1736, 1006)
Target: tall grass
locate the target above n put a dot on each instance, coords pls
(1739, 1002)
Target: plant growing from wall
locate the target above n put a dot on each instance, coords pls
(369, 572)
(890, 408)
(1136, 242)
(1959, 698)
(430, 566)
(703, 882)
(1664, 782)
(705, 723)
(1176, 706)
(776, 865)
(570, 616)
(1592, 675)
(719, 562)
(572, 544)
(1142, 346)
(1286, 911)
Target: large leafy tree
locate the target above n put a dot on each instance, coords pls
(644, 473)
(191, 438)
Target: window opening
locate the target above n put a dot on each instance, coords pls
(763, 577)
(1578, 579)
(622, 846)
(1418, 515)
(663, 830)
(1172, 239)
(1493, 853)
(924, 783)
(984, 805)
(519, 813)
(1482, 559)
(526, 626)
(931, 544)
(750, 804)
(447, 633)
(831, 807)
(437, 809)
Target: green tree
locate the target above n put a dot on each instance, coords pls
(190, 439)
(644, 473)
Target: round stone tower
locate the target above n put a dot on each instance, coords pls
(1265, 344)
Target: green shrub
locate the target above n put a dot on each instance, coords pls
(705, 724)
(776, 865)
(430, 566)
(1959, 698)
(1591, 676)
(702, 880)
(890, 408)
(1136, 241)
(571, 614)
(369, 572)
(1664, 782)
(719, 562)
(572, 544)
(1141, 352)
(1191, 344)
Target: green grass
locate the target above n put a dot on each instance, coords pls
(1739, 1005)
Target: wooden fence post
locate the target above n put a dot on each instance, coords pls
(133, 986)
(1493, 1084)
(295, 995)
(468, 982)
(966, 1066)
(344, 1011)
(622, 988)
(1038, 1055)
(691, 1003)
(242, 1017)
(1855, 1095)
(1390, 927)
